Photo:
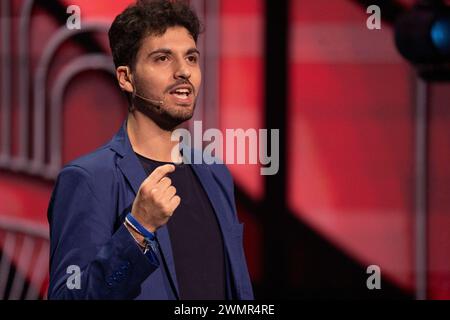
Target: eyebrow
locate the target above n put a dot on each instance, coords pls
(168, 51)
(193, 50)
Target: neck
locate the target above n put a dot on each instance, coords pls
(148, 139)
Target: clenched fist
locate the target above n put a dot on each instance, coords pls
(156, 199)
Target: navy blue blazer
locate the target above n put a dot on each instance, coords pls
(91, 197)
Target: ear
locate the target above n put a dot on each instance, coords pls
(124, 77)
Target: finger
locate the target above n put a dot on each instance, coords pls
(163, 184)
(175, 202)
(159, 173)
(161, 190)
(170, 193)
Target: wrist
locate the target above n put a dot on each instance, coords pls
(139, 221)
(136, 236)
(147, 233)
(148, 236)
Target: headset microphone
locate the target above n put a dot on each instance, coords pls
(154, 101)
(134, 94)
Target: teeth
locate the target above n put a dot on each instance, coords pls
(181, 96)
(182, 91)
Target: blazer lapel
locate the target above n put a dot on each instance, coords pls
(213, 192)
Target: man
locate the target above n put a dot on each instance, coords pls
(128, 221)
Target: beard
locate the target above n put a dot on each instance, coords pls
(167, 117)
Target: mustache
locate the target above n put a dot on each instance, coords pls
(178, 83)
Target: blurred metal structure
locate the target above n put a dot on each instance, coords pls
(5, 107)
(24, 259)
(41, 102)
(421, 194)
(36, 164)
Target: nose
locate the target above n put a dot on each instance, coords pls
(182, 71)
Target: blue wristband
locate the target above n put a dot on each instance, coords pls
(149, 236)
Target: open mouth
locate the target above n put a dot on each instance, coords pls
(182, 92)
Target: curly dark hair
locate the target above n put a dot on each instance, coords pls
(144, 18)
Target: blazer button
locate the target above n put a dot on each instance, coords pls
(109, 281)
(118, 276)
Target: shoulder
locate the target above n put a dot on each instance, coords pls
(97, 168)
(96, 161)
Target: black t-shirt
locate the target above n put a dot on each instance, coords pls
(195, 237)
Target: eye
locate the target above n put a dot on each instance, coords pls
(192, 59)
(162, 58)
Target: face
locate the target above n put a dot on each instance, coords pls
(167, 69)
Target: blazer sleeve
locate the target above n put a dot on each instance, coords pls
(83, 238)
